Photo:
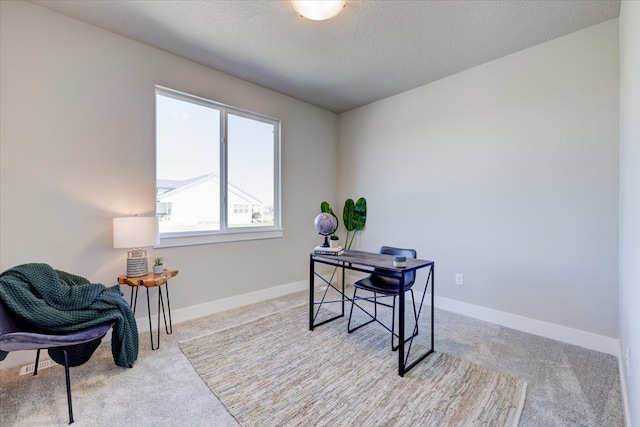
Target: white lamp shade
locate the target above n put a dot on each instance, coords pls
(135, 232)
(318, 10)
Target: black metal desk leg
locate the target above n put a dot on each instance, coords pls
(311, 290)
(401, 327)
(433, 291)
(343, 296)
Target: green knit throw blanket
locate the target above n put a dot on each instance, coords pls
(55, 301)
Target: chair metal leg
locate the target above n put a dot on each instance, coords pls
(351, 311)
(375, 306)
(66, 373)
(35, 369)
(353, 302)
(374, 317)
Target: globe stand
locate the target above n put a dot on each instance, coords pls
(326, 240)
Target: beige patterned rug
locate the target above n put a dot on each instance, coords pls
(273, 371)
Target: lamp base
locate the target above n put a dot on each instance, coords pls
(137, 266)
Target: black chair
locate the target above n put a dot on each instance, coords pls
(16, 336)
(382, 287)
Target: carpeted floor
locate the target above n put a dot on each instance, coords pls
(567, 385)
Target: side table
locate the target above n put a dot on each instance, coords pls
(151, 280)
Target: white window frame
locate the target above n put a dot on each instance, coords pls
(226, 234)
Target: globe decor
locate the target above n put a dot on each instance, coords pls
(326, 223)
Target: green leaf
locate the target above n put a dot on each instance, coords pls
(360, 212)
(325, 207)
(348, 215)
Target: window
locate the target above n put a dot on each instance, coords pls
(217, 171)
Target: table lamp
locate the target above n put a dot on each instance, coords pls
(135, 233)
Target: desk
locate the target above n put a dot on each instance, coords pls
(365, 262)
(151, 280)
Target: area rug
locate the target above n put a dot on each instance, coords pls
(273, 371)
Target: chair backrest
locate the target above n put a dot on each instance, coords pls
(409, 253)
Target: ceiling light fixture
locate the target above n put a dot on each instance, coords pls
(318, 10)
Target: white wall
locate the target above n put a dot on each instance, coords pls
(77, 149)
(630, 205)
(506, 173)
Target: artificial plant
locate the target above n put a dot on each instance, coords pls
(354, 216)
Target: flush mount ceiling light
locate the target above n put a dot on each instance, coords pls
(318, 10)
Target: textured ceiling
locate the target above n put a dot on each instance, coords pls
(372, 50)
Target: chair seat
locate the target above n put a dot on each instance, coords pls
(381, 284)
(21, 340)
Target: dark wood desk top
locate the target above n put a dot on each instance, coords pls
(375, 260)
(150, 280)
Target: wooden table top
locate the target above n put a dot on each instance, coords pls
(150, 280)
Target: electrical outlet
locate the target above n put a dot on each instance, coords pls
(626, 360)
(459, 279)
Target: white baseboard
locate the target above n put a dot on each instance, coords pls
(561, 333)
(564, 334)
(212, 307)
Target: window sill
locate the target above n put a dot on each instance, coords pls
(168, 241)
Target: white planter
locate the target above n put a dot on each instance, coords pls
(157, 269)
(334, 243)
